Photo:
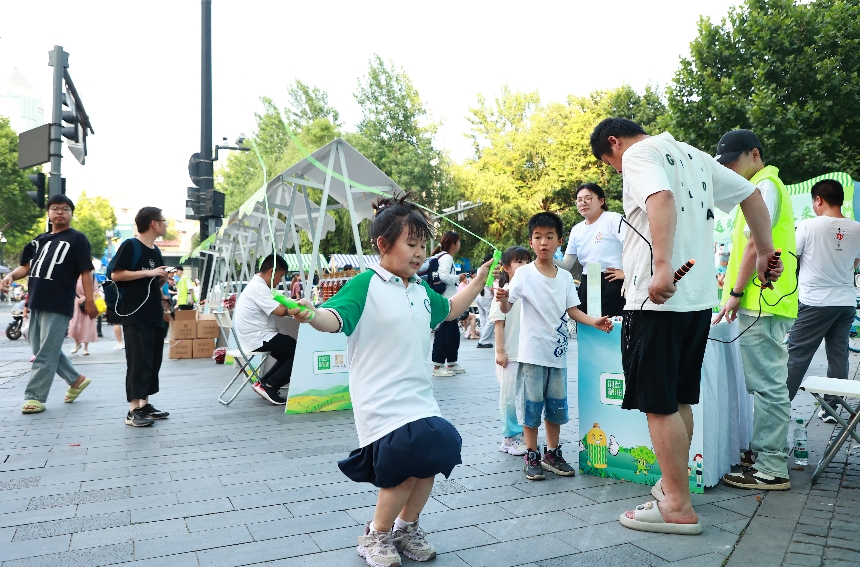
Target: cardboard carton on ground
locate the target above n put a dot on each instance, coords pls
(203, 348)
(185, 315)
(181, 349)
(183, 330)
(207, 326)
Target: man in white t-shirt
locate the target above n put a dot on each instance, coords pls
(828, 247)
(670, 191)
(254, 320)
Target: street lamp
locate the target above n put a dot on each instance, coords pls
(3, 242)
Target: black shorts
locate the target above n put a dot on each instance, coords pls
(112, 317)
(662, 353)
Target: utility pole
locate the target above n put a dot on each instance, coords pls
(59, 60)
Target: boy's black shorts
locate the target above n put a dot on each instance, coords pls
(662, 353)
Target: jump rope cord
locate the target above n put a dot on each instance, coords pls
(761, 290)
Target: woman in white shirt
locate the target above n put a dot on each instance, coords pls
(446, 342)
(597, 239)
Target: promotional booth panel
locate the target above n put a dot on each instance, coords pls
(320, 380)
(615, 443)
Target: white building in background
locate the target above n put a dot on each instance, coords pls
(20, 102)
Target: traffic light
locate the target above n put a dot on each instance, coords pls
(214, 204)
(73, 129)
(38, 196)
(193, 204)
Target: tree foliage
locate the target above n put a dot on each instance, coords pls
(786, 70)
(93, 216)
(531, 156)
(19, 216)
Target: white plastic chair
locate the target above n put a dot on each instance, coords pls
(820, 386)
(247, 370)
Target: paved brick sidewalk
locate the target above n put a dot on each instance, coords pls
(247, 485)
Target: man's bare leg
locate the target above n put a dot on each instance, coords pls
(671, 440)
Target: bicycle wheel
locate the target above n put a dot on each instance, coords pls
(854, 335)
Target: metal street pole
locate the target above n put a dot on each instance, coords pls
(207, 224)
(59, 60)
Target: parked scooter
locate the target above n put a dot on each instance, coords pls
(13, 330)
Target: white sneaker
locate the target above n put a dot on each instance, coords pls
(442, 372)
(513, 446)
(119, 346)
(826, 417)
(76, 349)
(86, 352)
(456, 368)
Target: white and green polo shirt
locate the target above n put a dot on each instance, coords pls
(388, 327)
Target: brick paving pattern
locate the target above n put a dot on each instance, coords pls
(247, 485)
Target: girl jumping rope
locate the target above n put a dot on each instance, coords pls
(507, 339)
(387, 314)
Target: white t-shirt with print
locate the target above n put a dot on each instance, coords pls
(512, 325)
(698, 184)
(827, 248)
(543, 322)
(599, 242)
(253, 318)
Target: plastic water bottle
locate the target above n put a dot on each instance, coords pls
(801, 452)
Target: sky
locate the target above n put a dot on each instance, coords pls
(136, 66)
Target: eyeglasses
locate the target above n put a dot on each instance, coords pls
(60, 209)
(584, 199)
(161, 220)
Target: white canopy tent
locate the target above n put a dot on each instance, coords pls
(254, 230)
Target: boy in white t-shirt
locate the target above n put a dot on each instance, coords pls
(827, 247)
(549, 297)
(670, 191)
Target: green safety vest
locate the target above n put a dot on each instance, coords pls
(783, 237)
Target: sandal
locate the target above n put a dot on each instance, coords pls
(657, 490)
(33, 406)
(647, 518)
(73, 393)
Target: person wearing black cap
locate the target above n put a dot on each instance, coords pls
(763, 352)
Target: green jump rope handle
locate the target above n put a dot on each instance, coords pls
(287, 302)
(497, 257)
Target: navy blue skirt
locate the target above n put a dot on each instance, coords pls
(420, 449)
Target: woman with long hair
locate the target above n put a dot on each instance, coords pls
(446, 342)
(597, 239)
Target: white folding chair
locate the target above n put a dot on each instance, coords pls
(820, 386)
(247, 370)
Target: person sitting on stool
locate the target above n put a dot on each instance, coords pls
(256, 330)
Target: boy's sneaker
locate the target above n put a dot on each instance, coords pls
(410, 541)
(756, 480)
(456, 368)
(137, 418)
(747, 459)
(442, 372)
(513, 446)
(378, 548)
(532, 468)
(554, 462)
(153, 413)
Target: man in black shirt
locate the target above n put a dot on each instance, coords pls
(54, 261)
(142, 314)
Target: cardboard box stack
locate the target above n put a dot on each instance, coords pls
(192, 335)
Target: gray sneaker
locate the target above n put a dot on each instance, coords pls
(378, 548)
(532, 468)
(410, 541)
(554, 462)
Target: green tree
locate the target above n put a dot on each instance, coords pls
(784, 69)
(93, 216)
(20, 219)
(396, 134)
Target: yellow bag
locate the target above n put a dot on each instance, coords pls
(101, 305)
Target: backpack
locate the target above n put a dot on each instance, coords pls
(113, 291)
(431, 276)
